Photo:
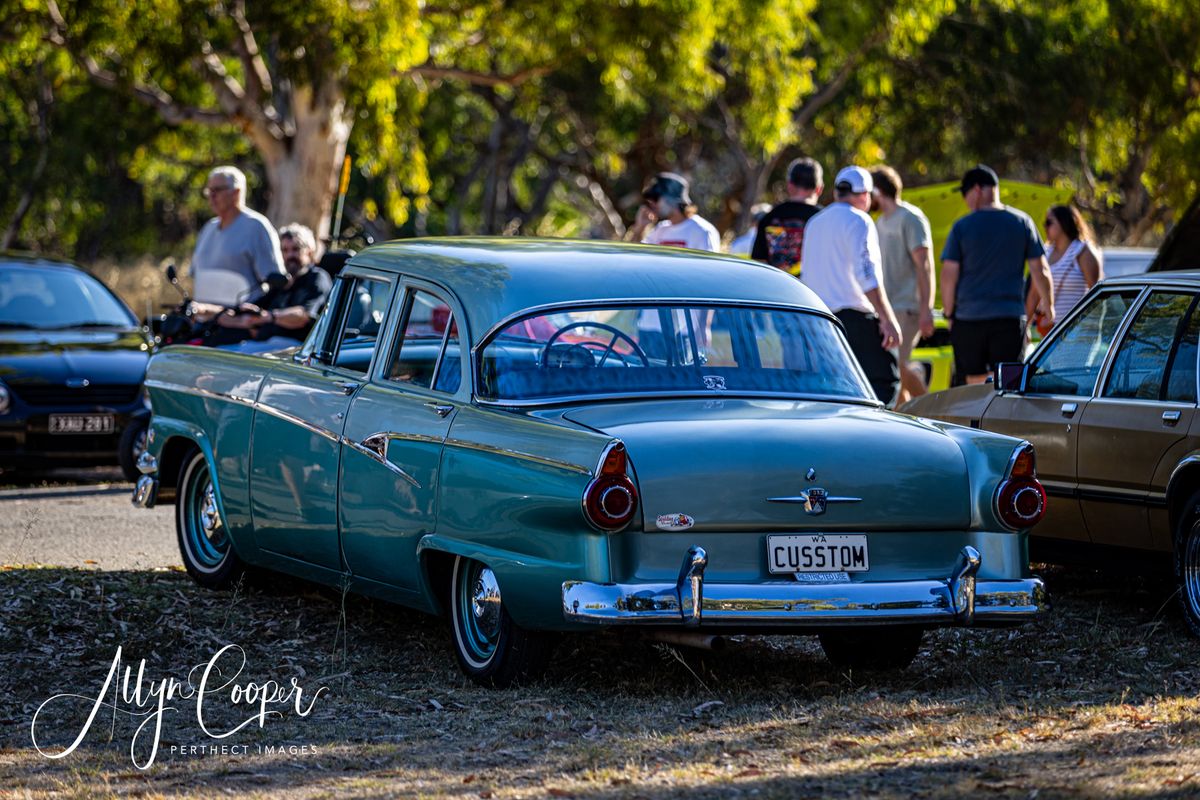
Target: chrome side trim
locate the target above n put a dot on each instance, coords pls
(379, 458)
(324, 433)
(198, 392)
(503, 451)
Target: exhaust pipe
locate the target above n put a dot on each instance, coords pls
(699, 641)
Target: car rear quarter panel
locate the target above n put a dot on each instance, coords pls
(962, 405)
(512, 489)
(208, 396)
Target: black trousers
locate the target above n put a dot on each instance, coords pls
(862, 332)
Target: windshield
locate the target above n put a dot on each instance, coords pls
(669, 350)
(51, 299)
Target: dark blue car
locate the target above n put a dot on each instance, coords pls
(72, 361)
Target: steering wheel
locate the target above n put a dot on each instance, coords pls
(608, 349)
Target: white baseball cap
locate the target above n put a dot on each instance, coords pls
(854, 179)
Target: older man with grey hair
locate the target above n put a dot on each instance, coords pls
(237, 249)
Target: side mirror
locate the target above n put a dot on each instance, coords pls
(172, 275)
(1010, 376)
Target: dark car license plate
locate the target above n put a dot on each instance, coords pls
(82, 423)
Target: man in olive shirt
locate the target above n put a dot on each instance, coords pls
(906, 244)
(983, 278)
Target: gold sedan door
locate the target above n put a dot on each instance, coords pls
(1145, 408)
(1061, 381)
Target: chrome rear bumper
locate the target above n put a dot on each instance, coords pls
(958, 600)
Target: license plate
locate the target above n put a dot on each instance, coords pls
(817, 552)
(82, 423)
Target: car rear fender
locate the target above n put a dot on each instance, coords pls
(987, 457)
(531, 587)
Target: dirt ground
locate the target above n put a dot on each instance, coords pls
(1097, 699)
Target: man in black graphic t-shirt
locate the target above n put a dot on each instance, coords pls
(781, 232)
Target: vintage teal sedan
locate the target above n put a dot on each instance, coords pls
(538, 436)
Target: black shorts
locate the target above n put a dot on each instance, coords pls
(862, 332)
(981, 344)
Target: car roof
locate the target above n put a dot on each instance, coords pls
(17, 258)
(1191, 276)
(496, 278)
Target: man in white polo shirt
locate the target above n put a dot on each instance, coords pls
(843, 266)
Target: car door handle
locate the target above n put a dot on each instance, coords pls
(441, 409)
(1170, 417)
(347, 387)
(1069, 409)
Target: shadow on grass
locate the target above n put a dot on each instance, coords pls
(1103, 686)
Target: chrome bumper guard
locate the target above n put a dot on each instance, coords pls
(146, 490)
(960, 599)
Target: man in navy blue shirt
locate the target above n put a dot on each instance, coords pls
(983, 278)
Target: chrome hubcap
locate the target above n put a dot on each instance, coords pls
(210, 520)
(485, 603)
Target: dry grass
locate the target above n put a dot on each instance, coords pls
(142, 283)
(1098, 699)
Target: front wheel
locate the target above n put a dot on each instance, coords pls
(204, 540)
(872, 648)
(492, 650)
(131, 446)
(1187, 564)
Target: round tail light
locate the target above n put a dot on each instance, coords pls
(1020, 498)
(1021, 504)
(610, 500)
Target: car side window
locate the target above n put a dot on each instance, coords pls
(1144, 355)
(1071, 363)
(427, 355)
(366, 302)
(1181, 380)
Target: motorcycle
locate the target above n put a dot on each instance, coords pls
(180, 325)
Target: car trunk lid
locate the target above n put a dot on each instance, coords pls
(751, 465)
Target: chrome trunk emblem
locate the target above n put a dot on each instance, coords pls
(814, 500)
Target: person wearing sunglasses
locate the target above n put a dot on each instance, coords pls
(237, 249)
(1075, 264)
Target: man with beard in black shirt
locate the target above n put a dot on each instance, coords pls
(286, 315)
(781, 231)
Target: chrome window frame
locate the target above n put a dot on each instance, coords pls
(1118, 337)
(1119, 341)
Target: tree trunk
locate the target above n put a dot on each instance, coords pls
(303, 171)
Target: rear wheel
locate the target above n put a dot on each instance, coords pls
(1187, 564)
(491, 649)
(204, 540)
(872, 648)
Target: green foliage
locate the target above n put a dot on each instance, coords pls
(524, 116)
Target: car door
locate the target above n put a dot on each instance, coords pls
(1145, 407)
(393, 441)
(1061, 380)
(301, 412)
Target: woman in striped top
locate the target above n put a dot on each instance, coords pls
(1074, 260)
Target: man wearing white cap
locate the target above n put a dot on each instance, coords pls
(843, 266)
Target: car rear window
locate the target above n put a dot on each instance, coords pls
(669, 350)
